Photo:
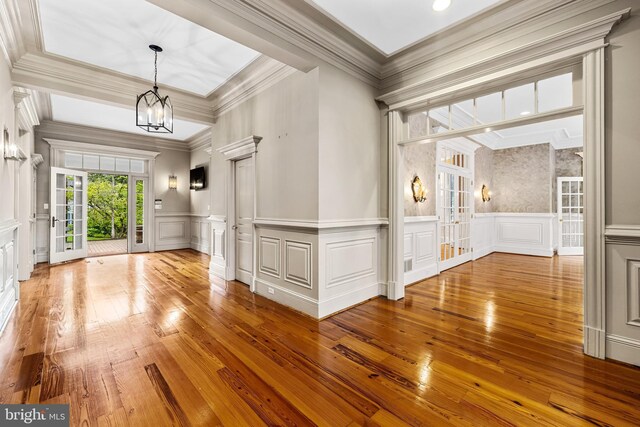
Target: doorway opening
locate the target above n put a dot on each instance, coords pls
(107, 214)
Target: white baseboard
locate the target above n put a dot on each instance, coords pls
(346, 300)
(42, 257)
(172, 246)
(287, 297)
(217, 268)
(594, 342)
(623, 349)
(414, 276)
(200, 247)
(482, 252)
(524, 250)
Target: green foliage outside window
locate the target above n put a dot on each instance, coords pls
(107, 199)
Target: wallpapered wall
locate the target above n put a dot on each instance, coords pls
(521, 179)
(420, 160)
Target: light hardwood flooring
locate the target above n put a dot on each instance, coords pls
(146, 340)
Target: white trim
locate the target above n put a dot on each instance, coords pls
(320, 224)
(624, 349)
(84, 147)
(240, 149)
(413, 219)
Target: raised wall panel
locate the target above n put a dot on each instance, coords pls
(2, 270)
(171, 230)
(519, 232)
(633, 292)
(298, 263)
(350, 260)
(425, 246)
(269, 256)
(9, 262)
(408, 245)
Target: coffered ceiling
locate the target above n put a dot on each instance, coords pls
(115, 35)
(393, 25)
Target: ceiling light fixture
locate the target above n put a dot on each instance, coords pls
(153, 112)
(440, 5)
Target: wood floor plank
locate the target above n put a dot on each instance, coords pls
(149, 339)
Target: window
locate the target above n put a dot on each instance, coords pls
(103, 163)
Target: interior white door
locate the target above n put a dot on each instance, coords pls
(243, 225)
(570, 216)
(68, 218)
(138, 214)
(455, 199)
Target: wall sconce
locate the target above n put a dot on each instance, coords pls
(486, 194)
(173, 182)
(419, 190)
(11, 151)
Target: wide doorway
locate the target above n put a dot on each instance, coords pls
(107, 214)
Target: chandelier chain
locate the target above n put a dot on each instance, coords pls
(155, 75)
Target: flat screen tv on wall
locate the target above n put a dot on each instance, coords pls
(198, 179)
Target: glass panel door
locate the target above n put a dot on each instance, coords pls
(570, 216)
(139, 214)
(68, 207)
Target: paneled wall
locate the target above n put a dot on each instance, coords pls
(9, 287)
(420, 248)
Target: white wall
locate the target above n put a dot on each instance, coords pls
(200, 202)
(7, 120)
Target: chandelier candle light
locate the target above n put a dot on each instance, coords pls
(154, 113)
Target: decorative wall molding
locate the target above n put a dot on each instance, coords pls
(240, 149)
(269, 256)
(200, 140)
(172, 231)
(82, 147)
(298, 263)
(9, 285)
(200, 233)
(218, 246)
(420, 248)
(320, 224)
(622, 234)
(633, 292)
(623, 348)
(11, 40)
(350, 260)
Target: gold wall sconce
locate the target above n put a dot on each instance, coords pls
(419, 190)
(173, 182)
(486, 194)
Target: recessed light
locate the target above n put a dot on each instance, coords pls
(440, 5)
(525, 113)
(487, 129)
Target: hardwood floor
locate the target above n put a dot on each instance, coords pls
(146, 340)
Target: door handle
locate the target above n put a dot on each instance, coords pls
(457, 222)
(53, 221)
(234, 227)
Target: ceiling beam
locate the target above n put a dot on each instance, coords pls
(56, 75)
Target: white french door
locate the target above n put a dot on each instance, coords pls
(138, 214)
(454, 206)
(68, 219)
(570, 216)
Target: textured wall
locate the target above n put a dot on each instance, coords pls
(420, 160)
(483, 175)
(523, 179)
(568, 163)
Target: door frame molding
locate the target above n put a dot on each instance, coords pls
(556, 52)
(238, 150)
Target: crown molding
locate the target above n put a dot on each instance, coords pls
(85, 134)
(27, 109)
(60, 75)
(513, 20)
(11, 41)
(572, 42)
(261, 74)
(200, 140)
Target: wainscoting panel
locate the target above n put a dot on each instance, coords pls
(350, 260)
(218, 249)
(200, 234)
(420, 251)
(172, 231)
(269, 256)
(9, 287)
(623, 299)
(483, 234)
(298, 261)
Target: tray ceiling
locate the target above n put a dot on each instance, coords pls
(393, 25)
(115, 35)
(95, 114)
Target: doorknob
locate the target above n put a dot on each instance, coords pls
(235, 227)
(53, 221)
(457, 222)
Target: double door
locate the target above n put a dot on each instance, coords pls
(455, 209)
(69, 214)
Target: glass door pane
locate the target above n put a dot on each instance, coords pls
(138, 200)
(68, 207)
(570, 216)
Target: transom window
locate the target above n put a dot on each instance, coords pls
(103, 163)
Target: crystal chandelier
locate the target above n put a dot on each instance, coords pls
(154, 113)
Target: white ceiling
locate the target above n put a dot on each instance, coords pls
(115, 34)
(561, 133)
(391, 25)
(95, 114)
